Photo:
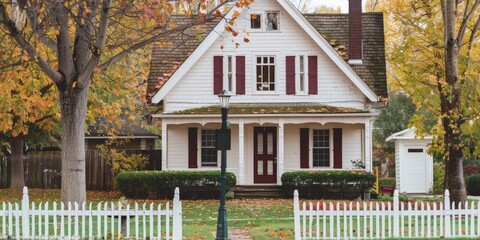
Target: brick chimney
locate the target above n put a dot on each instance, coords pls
(355, 32)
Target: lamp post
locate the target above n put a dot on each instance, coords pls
(223, 144)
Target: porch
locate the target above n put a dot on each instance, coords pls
(265, 145)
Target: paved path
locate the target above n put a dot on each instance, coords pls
(239, 234)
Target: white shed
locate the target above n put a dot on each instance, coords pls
(413, 165)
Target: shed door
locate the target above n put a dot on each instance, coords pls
(415, 174)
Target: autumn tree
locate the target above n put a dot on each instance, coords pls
(434, 52)
(84, 37)
(27, 99)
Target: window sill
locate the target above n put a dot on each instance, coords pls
(301, 94)
(266, 93)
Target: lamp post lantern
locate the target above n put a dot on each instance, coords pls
(223, 144)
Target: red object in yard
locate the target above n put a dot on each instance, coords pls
(387, 190)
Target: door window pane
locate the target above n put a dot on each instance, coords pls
(260, 167)
(270, 168)
(260, 143)
(269, 143)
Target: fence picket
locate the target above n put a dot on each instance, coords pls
(317, 217)
(17, 222)
(380, 220)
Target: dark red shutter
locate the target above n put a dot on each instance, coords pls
(217, 74)
(240, 71)
(290, 71)
(192, 148)
(337, 148)
(304, 148)
(312, 75)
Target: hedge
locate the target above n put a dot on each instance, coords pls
(162, 184)
(327, 184)
(473, 185)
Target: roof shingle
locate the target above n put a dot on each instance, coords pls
(168, 57)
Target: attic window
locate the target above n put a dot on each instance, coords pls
(255, 21)
(272, 21)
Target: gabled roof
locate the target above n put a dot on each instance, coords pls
(407, 134)
(171, 62)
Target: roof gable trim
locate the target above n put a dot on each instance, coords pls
(297, 16)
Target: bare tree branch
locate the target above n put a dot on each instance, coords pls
(466, 19)
(13, 31)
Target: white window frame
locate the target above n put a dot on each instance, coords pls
(266, 21)
(201, 148)
(263, 21)
(275, 80)
(234, 73)
(330, 147)
(298, 91)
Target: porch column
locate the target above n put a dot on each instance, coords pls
(241, 152)
(368, 145)
(281, 150)
(164, 144)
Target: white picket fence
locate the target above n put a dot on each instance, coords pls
(90, 221)
(360, 220)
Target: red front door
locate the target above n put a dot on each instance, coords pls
(265, 155)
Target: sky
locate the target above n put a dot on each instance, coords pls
(333, 3)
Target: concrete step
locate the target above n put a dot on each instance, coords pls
(258, 191)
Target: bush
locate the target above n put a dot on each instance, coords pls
(473, 185)
(471, 169)
(160, 185)
(386, 181)
(327, 184)
(438, 178)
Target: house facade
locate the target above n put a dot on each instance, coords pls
(304, 89)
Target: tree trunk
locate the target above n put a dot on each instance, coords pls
(451, 116)
(16, 160)
(73, 102)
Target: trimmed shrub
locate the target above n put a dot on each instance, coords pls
(473, 185)
(161, 185)
(327, 184)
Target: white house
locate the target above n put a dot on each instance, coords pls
(413, 165)
(304, 91)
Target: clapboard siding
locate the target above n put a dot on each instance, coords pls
(196, 87)
(178, 148)
(351, 148)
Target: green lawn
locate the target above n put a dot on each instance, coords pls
(263, 219)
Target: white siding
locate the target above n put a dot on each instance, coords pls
(196, 87)
(351, 147)
(178, 148)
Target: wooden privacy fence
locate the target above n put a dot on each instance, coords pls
(91, 221)
(359, 220)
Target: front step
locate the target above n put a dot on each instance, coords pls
(258, 191)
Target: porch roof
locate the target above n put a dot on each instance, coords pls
(274, 108)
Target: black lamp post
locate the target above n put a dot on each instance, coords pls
(223, 144)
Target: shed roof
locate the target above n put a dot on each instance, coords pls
(407, 134)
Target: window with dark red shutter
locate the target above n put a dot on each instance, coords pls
(312, 75)
(290, 71)
(240, 75)
(337, 148)
(217, 74)
(304, 148)
(192, 148)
